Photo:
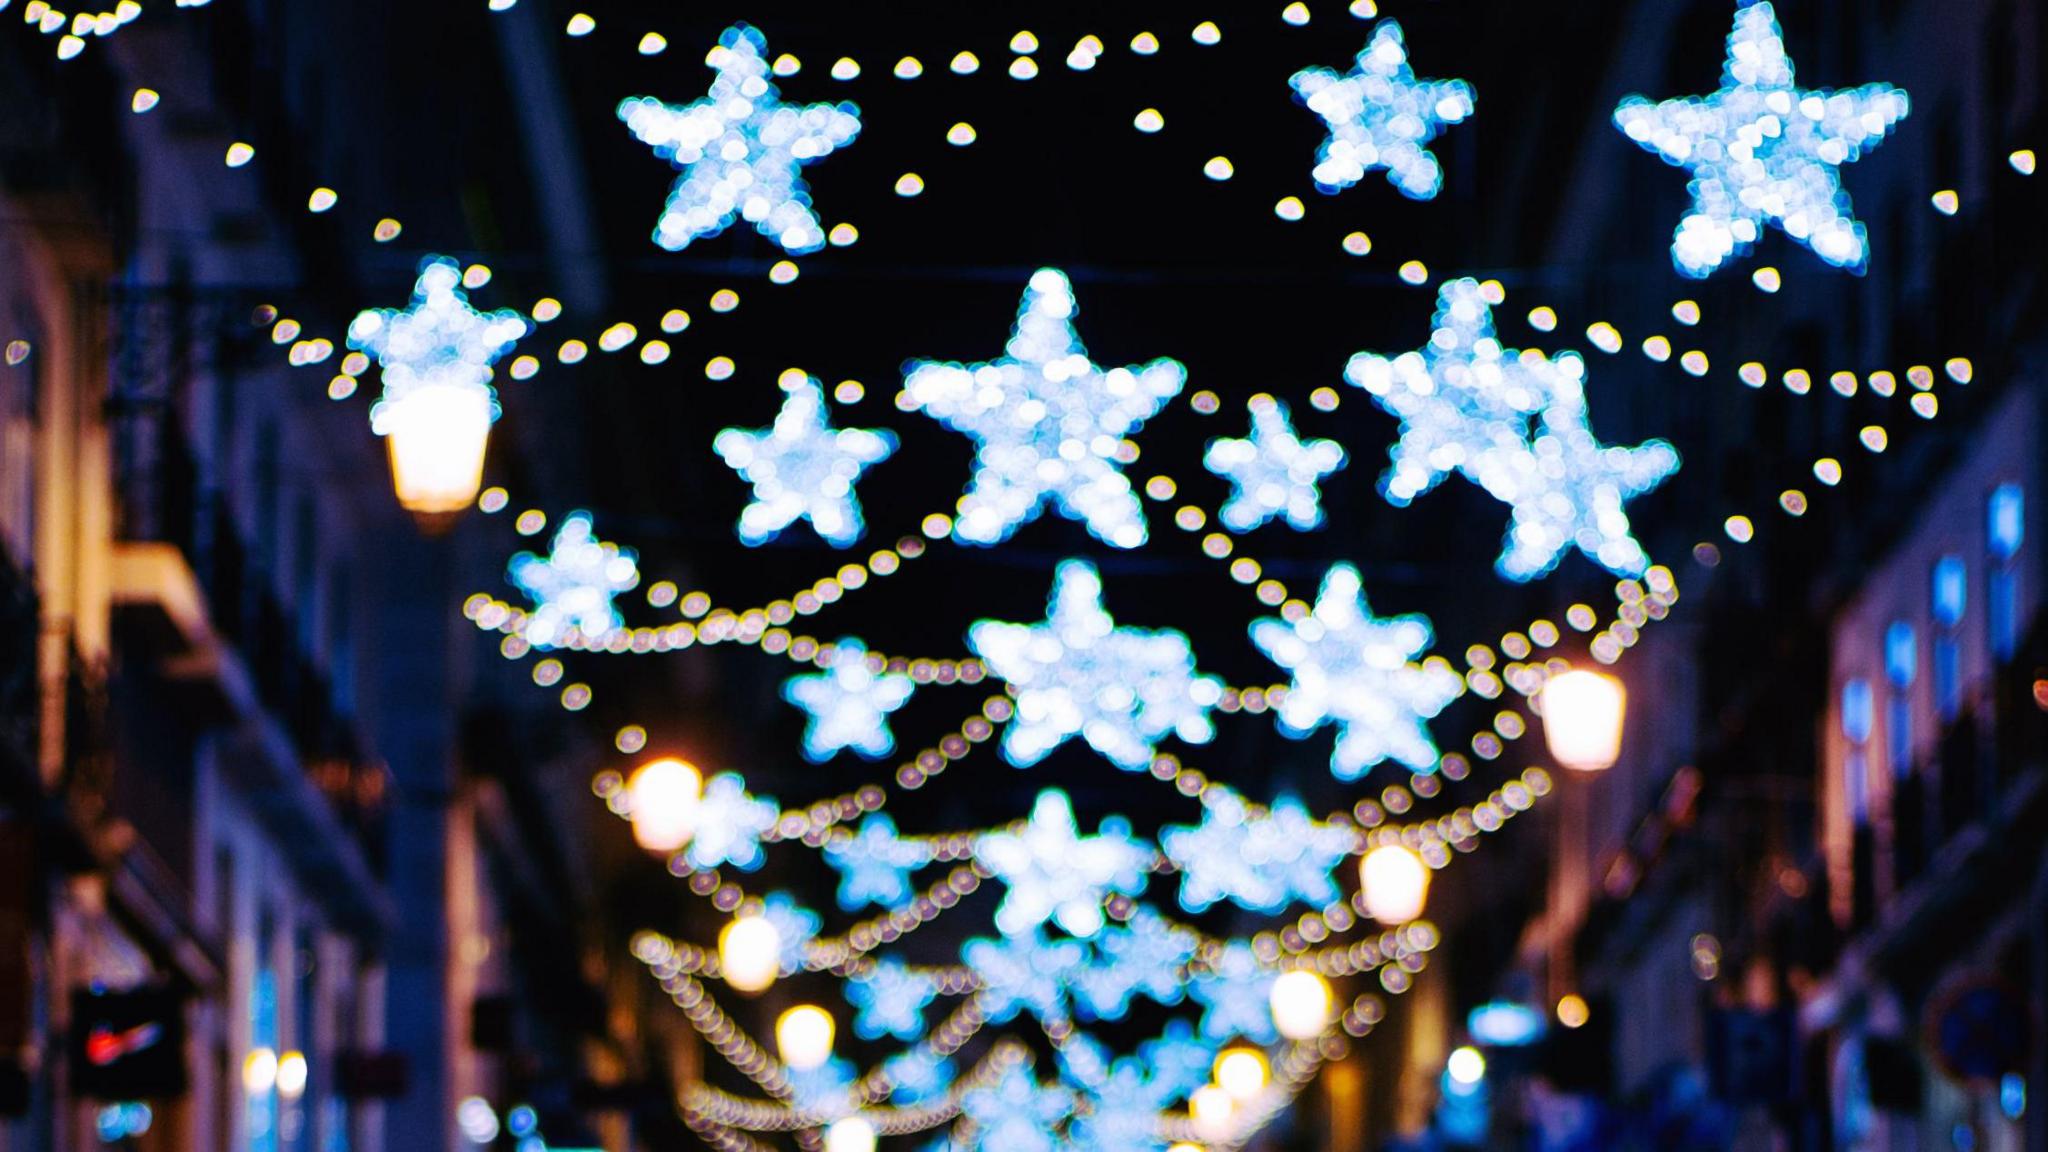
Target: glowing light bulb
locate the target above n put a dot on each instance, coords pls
(1582, 719)
(750, 953)
(663, 798)
(1301, 1004)
(259, 1071)
(851, 1134)
(1396, 884)
(803, 1035)
(1466, 1066)
(291, 1075)
(1242, 1072)
(1210, 1107)
(437, 436)
(1572, 1011)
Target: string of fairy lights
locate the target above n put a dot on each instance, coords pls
(1519, 664)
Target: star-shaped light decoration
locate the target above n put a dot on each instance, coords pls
(1513, 422)
(822, 1091)
(1261, 861)
(1017, 1113)
(917, 1074)
(1180, 1061)
(891, 998)
(802, 468)
(1052, 872)
(1047, 423)
(1274, 472)
(1763, 150)
(849, 704)
(739, 149)
(875, 865)
(1148, 955)
(1380, 116)
(1027, 973)
(1358, 672)
(1120, 1102)
(573, 585)
(795, 925)
(437, 406)
(730, 824)
(1237, 995)
(1078, 673)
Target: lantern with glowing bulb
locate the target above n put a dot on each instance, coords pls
(851, 1134)
(803, 1036)
(1242, 1072)
(663, 797)
(1582, 715)
(1395, 883)
(1301, 1005)
(750, 953)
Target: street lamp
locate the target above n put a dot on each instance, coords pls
(1301, 1005)
(1582, 714)
(1211, 1109)
(803, 1035)
(1242, 1072)
(663, 797)
(750, 953)
(1395, 882)
(437, 435)
(851, 1134)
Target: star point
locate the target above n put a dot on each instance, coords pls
(1052, 872)
(802, 468)
(738, 150)
(1762, 150)
(1380, 117)
(1048, 424)
(572, 587)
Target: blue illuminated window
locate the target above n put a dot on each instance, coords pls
(2005, 529)
(1901, 667)
(1858, 716)
(1951, 592)
(1901, 654)
(2007, 520)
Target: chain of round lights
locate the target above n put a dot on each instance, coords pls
(723, 1108)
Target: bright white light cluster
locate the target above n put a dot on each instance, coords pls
(802, 468)
(875, 865)
(1017, 1113)
(1380, 116)
(730, 824)
(1274, 472)
(739, 149)
(437, 345)
(849, 704)
(1052, 872)
(573, 585)
(1763, 150)
(1358, 672)
(1120, 689)
(1262, 861)
(1515, 423)
(1047, 423)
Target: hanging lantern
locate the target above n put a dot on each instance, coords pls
(1301, 1005)
(663, 797)
(1242, 1072)
(1396, 884)
(750, 954)
(1582, 715)
(437, 436)
(1211, 1109)
(803, 1036)
(852, 1134)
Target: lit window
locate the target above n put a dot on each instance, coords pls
(2007, 522)
(1901, 666)
(2005, 528)
(1951, 591)
(1858, 715)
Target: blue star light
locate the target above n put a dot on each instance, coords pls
(730, 824)
(849, 704)
(1026, 973)
(802, 468)
(1261, 861)
(573, 585)
(1120, 689)
(1764, 150)
(1380, 116)
(824, 1090)
(1121, 1112)
(795, 925)
(1237, 995)
(1148, 956)
(1180, 1062)
(739, 149)
(890, 1000)
(1017, 1113)
(1357, 671)
(917, 1075)
(1052, 872)
(874, 865)
(1515, 423)
(1274, 472)
(1047, 423)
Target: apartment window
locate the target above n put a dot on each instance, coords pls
(2004, 531)
(1858, 716)
(1951, 585)
(1901, 668)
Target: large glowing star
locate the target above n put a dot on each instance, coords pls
(1515, 423)
(573, 585)
(730, 824)
(437, 343)
(1027, 973)
(1078, 673)
(1047, 423)
(1236, 993)
(1016, 1113)
(875, 864)
(1052, 872)
(849, 704)
(891, 998)
(739, 149)
(1358, 672)
(1380, 116)
(1274, 472)
(1259, 860)
(802, 468)
(1763, 150)
(1148, 955)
